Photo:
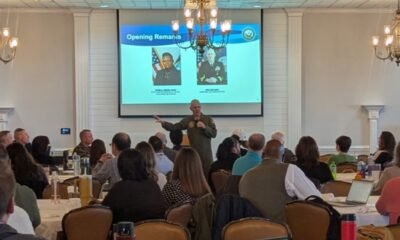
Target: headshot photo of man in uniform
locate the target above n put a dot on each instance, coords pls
(212, 70)
(168, 74)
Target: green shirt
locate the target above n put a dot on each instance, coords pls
(342, 158)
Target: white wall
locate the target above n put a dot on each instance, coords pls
(39, 82)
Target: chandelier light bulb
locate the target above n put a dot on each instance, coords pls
(6, 32)
(213, 23)
(375, 40)
(226, 26)
(214, 12)
(14, 42)
(175, 25)
(387, 29)
(199, 14)
(189, 23)
(389, 40)
(187, 12)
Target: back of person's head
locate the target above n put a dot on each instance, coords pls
(278, 135)
(97, 149)
(256, 142)
(226, 148)
(387, 142)
(188, 169)
(3, 154)
(272, 150)
(40, 146)
(343, 143)
(162, 137)
(3, 137)
(307, 152)
(156, 143)
(121, 141)
(21, 160)
(131, 165)
(398, 155)
(7, 188)
(148, 154)
(176, 137)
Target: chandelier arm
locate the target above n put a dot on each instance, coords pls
(9, 57)
(220, 44)
(180, 45)
(389, 55)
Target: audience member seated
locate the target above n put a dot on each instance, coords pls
(308, 160)
(163, 163)
(343, 144)
(98, 153)
(252, 157)
(288, 156)
(107, 168)
(22, 136)
(7, 187)
(19, 220)
(240, 135)
(176, 137)
(83, 148)
(388, 203)
(27, 171)
(272, 184)
(150, 158)
(389, 172)
(6, 138)
(227, 153)
(136, 197)
(41, 150)
(171, 153)
(386, 145)
(188, 181)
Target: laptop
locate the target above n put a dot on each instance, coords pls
(359, 193)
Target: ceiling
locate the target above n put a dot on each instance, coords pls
(162, 4)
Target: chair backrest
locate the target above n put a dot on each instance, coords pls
(48, 192)
(160, 230)
(90, 222)
(395, 230)
(338, 188)
(71, 181)
(307, 221)
(363, 158)
(219, 179)
(346, 168)
(181, 214)
(253, 229)
(325, 158)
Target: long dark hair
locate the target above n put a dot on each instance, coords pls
(40, 146)
(22, 162)
(97, 149)
(131, 165)
(307, 152)
(224, 150)
(387, 142)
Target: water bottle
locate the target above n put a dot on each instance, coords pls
(348, 227)
(332, 167)
(76, 164)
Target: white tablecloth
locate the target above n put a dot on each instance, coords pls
(345, 177)
(51, 215)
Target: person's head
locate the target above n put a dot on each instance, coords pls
(7, 189)
(4, 155)
(21, 136)
(6, 138)
(211, 55)
(273, 150)
(240, 135)
(307, 152)
(86, 137)
(120, 142)
(21, 160)
(343, 144)
(228, 146)
(176, 137)
(195, 107)
(167, 60)
(97, 149)
(256, 142)
(156, 143)
(40, 146)
(162, 137)
(387, 142)
(148, 154)
(398, 155)
(189, 171)
(278, 135)
(131, 165)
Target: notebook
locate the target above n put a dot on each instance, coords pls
(359, 193)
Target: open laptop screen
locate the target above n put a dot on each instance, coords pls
(360, 191)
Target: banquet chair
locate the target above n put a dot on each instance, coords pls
(62, 191)
(395, 230)
(346, 168)
(219, 179)
(181, 214)
(307, 221)
(90, 222)
(97, 186)
(252, 228)
(160, 229)
(325, 158)
(338, 188)
(363, 158)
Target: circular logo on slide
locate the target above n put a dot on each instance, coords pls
(248, 34)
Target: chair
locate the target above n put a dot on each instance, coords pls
(219, 179)
(181, 214)
(307, 221)
(161, 230)
(338, 188)
(346, 168)
(62, 191)
(363, 157)
(325, 158)
(254, 228)
(97, 186)
(395, 230)
(90, 222)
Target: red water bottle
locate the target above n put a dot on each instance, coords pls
(348, 227)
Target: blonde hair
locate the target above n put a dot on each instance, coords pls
(189, 170)
(148, 154)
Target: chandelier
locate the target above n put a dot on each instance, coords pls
(8, 46)
(202, 35)
(392, 39)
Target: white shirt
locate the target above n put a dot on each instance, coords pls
(163, 164)
(162, 180)
(298, 185)
(19, 220)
